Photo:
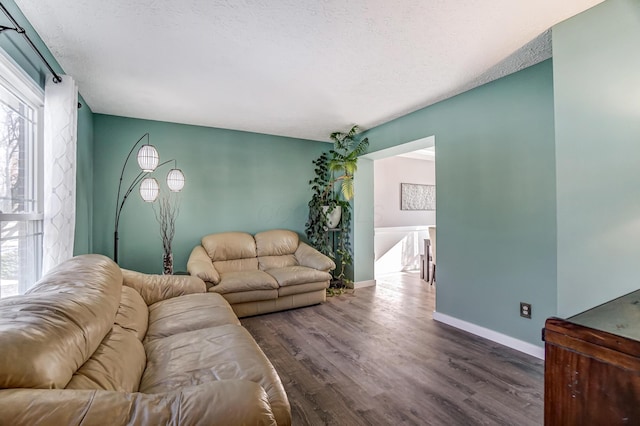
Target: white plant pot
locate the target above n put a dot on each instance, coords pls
(333, 218)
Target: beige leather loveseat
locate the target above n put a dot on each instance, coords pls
(82, 348)
(268, 272)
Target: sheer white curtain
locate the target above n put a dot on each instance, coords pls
(60, 135)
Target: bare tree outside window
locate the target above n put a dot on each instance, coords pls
(20, 219)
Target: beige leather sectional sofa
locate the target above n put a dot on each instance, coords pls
(268, 272)
(92, 344)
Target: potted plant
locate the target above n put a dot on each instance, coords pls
(166, 215)
(332, 190)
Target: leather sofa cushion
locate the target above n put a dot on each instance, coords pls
(116, 365)
(154, 288)
(187, 313)
(281, 303)
(199, 264)
(271, 262)
(235, 265)
(226, 402)
(277, 242)
(226, 352)
(233, 282)
(251, 296)
(302, 288)
(308, 256)
(229, 246)
(48, 333)
(292, 275)
(133, 314)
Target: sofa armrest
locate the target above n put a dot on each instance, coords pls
(312, 258)
(154, 288)
(228, 402)
(200, 265)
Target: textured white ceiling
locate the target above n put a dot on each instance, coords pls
(300, 68)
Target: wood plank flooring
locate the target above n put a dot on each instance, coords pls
(376, 357)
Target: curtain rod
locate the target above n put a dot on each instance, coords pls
(20, 30)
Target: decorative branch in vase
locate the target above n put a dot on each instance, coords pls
(168, 209)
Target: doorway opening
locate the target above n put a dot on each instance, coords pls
(404, 207)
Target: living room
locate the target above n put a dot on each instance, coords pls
(520, 159)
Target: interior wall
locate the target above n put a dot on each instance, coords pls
(83, 239)
(389, 173)
(496, 199)
(235, 181)
(15, 45)
(597, 105)
(362, 230)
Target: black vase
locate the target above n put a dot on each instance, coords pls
(167, 264)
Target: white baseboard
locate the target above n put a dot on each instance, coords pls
(361, 284)
(494, 336)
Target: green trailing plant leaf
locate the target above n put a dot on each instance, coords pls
(333, 186)
(347, 188)
(350, 168)
(317, 222)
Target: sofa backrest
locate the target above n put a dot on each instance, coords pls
(47, 334)
(116, 365)
(276, 248)
(231, 251)
(133, 313)
(120, 359)
(240, 251)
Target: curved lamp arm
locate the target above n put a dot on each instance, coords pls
(119, 205)
(141, 176)
(136, 181)
(122, 174)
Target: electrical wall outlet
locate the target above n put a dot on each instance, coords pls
(525, 310)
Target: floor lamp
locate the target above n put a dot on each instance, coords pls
(148, 160)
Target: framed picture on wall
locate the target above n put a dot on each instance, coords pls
(414, 196)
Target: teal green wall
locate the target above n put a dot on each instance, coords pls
(83, 242)
(15, 45)
(597, 103)
(363, 216)
(235, 181)
(496, 199)
(18, 48)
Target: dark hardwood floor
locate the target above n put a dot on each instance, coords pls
(377, 357)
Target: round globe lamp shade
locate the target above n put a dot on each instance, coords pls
(148, 158)
(149, 189)
(175, 180)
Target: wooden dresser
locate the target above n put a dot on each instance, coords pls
(592, 366)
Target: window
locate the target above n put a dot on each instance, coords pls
(20, 179)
